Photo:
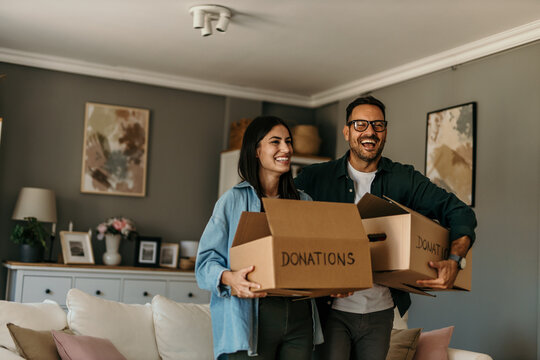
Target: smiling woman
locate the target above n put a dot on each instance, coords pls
(239, 312)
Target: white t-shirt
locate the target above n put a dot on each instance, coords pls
(378, 297)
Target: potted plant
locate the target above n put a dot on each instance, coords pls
(32, 239)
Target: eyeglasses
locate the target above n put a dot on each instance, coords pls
(362, 125)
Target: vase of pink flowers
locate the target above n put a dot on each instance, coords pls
(113, 230)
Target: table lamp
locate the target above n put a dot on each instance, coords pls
(40, 204)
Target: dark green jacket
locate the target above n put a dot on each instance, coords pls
(330, 182)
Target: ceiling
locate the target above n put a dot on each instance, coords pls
(304, 52)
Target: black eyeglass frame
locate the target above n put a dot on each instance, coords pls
(367, 122)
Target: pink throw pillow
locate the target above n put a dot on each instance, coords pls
(433, 345)
(79, 347)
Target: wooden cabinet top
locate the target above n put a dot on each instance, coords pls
(16, 265)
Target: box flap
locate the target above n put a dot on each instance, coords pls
(371, 206)
(251, 226)
(313, 219)
(414, 213)
(401, 280)
(302, 294)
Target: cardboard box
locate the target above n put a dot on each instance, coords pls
(402, 243)
(303, 248)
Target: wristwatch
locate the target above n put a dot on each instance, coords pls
(461, 262)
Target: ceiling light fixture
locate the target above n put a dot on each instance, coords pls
(203, 15)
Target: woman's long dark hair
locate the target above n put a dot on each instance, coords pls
(248, 165)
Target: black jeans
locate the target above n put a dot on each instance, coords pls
(357, 336)
(285, 330)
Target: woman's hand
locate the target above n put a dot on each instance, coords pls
(239, 283)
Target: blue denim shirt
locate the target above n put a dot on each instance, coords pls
(234, 320)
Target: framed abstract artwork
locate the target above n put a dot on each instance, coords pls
(115, 150)
(451, 150)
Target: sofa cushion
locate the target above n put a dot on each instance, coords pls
(80, 347)
(129, 327)
(183, 331)
(400, 322)
(34, 344)
(433, 345)
(47, 315)
(403, 344)
(6, 354)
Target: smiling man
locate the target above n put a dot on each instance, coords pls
(359, 326)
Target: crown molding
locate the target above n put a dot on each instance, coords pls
(148, 77)
(487, 46)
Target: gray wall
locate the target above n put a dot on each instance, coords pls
(327, 119)
(500, 315)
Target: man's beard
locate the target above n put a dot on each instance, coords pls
(369, 157)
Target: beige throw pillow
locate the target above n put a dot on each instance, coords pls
(33, 344)
(403, 344)
(47, 315)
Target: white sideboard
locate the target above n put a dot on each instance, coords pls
(228, 167)
(36, 282)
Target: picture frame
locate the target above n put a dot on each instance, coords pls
(147, 251)
(450, 160)
(168, 255)
(76, 247)
(115, 150)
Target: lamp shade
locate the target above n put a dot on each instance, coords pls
(35, 202)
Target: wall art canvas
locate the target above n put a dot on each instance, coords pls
(115, 150)
(450, 150)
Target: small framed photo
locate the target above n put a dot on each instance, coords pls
(76, 247)
(168, 256)
(147, 251)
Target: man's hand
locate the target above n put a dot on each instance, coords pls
(447, 271)
(239, 283)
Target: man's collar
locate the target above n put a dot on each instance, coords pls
(384, 165)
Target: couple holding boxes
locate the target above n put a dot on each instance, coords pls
(249, 324)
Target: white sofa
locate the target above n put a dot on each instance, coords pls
(163, 329)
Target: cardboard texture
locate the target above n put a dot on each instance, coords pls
(303, 248)
(412, 240)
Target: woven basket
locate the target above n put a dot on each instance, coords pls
(306, 139)
(237, 130)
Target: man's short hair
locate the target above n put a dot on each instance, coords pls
(365, 100)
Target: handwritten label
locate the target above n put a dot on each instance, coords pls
(432, 248)
(316, 258)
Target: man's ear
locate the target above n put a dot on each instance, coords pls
(346, 132)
